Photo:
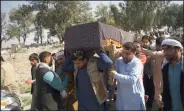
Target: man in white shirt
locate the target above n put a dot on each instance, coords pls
(130, 90)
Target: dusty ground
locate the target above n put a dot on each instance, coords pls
(22, 67)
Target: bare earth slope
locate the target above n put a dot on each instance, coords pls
(23, 70)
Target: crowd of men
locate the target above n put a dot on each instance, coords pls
(146, 74)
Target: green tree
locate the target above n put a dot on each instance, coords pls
(41, 7)
(104, 15)
(62, 14)
(14, 31)
(3, 28)
(159, 13)
(21, 19)
(135, 15)
(179, 17)
(36, 38)
(170, 14)
(83, 13)
(118, 16)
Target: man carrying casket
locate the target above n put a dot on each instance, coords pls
(89, 78)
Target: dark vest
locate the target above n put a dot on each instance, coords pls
(166, 96)
(47, 97)
(33, 73)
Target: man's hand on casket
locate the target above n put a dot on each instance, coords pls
(101, 50)
(112, 73)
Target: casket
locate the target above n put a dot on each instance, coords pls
(92, 36)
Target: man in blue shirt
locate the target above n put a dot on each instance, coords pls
(49, 85)
(173, 77)
(129, 71)
(79, 63)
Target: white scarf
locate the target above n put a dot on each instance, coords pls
(45, 65)
(52, 68)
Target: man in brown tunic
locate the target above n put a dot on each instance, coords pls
(9, 78)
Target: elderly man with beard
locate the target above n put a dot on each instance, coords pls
(173, 76)
(128, 73)
(49, 85)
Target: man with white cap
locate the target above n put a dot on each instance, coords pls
(173, 76)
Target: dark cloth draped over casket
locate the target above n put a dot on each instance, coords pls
(91, 36)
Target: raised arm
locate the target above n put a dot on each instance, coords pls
(104, 62)
(148, 52)
(68, 65)
(117, 53)
(152, 54)
(132, 77)
(55, 81)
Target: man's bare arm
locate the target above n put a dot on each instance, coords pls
(117, 53)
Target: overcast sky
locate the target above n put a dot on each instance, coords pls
(6, 6)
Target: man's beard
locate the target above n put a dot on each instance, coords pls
(173, 58)
(126, 61)
(32, 65)
(138, 54)
(50, 64)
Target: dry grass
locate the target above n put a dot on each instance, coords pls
(26, 100)
(23, 70)
(25, 89)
